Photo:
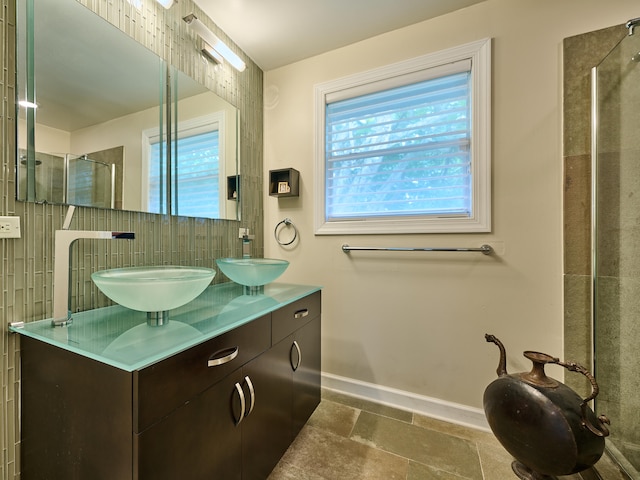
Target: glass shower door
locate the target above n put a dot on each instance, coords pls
(89, 182)
(616, 248)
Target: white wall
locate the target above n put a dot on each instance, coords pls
(415, 321)
(50, 140)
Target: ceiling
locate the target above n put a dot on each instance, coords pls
(93, 73)
(272, 32)
(275, 33)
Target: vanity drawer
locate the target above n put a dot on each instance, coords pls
(161, 388)
(289, 318)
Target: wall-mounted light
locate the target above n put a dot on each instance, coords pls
(165, 3)
(27, 104)
(214, 43)
(209, 51)
(137, 4)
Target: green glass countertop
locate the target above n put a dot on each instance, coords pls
(121, 337)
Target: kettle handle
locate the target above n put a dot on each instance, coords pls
(601, 430)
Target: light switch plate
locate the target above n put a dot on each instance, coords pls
(9, 227)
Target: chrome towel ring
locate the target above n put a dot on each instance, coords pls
(285, 223)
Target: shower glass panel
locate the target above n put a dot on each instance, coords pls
(616, 247)
(67, 178)
(90, 182)
(49, 176)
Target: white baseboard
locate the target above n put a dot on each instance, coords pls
(430, 407)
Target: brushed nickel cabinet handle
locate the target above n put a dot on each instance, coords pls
(242, 403)
(301, 313)
(222, 356)
(252, 391)
(297, 347)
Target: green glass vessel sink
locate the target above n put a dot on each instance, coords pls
(252, 272)
(153, 289)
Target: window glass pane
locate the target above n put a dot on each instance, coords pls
(402, 151)
(157, 178)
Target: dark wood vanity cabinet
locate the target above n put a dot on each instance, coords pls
(179, 418)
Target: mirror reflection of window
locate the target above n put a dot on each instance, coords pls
(197, 169)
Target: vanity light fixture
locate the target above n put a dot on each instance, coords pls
(216, 45)
(210, 52)
(27, 104)
(137, 4)
(165, 3)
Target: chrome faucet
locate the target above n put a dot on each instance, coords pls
(64, 240)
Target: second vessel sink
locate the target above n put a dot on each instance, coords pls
(252, 272)
(154, 290)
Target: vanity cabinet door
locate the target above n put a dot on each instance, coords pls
(200, 440)
(266, 430)
(305, 362)
(298, 360)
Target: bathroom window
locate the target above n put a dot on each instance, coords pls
(196, 170)
(406, 148)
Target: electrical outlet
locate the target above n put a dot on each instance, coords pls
(9, 227)
(243, 231)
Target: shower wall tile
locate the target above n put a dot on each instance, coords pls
(577, 328)
(580, 54)
(622, 246)
(619, 303)
(577, 215)
(617, 116)
(27, 263)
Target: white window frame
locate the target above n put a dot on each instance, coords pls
(479, 53)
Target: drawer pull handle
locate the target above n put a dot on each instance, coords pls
(301, 313)
(223, 356)
(242, 403)
(252, 391)
(297, 347)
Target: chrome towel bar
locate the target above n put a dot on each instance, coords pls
(485, 249)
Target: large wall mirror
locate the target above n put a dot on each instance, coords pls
(107, 123)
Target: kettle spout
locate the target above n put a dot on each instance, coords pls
(502, 363)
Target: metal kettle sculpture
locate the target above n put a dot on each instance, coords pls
(541, 422)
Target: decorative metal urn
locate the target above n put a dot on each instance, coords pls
(541, 422)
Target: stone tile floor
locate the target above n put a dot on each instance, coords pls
(352, 439)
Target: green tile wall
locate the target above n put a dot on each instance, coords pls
(27, 263)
